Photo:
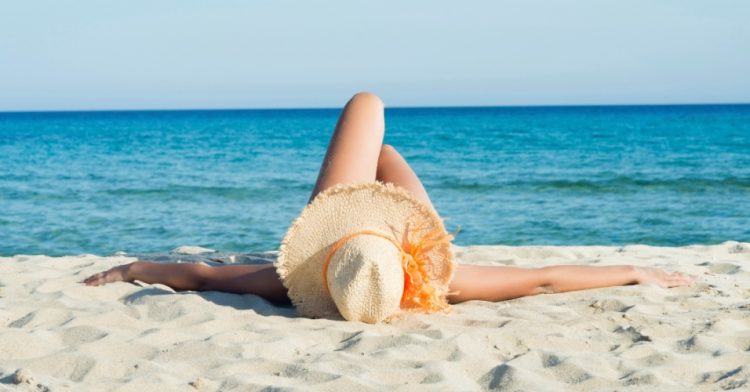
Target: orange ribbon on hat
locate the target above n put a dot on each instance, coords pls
(419, 293)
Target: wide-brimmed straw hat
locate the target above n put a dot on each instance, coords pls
(366, 252)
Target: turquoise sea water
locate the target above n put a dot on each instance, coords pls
(100, 182)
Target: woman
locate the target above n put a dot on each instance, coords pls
(356, 154)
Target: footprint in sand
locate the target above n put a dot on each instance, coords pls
(724, 268)
(633, 334)
(610, 305)
(74, 336)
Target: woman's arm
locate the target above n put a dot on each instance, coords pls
(176, 276)
(497, 283)
(241, 279)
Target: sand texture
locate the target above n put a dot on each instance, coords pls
(57, 334)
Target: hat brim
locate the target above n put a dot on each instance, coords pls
(345, 209)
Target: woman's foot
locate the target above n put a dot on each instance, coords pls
(116, 274)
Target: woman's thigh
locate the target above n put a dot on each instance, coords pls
(353, 151)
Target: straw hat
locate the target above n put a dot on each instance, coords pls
(364, 252)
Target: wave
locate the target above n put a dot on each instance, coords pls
(265, 190)
(261, 192)
(621, 184)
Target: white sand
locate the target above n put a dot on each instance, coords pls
(56, 333)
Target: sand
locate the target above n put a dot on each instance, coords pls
(56, 334)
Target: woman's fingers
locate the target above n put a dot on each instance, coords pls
(664, 278)
(675, 279)
(116, 274)
(94, 280)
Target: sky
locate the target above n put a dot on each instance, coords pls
(184, 54)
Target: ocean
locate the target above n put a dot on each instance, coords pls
(232, 180)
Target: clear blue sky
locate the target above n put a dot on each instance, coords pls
(59, 55)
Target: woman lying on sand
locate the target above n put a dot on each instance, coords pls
(338, 256)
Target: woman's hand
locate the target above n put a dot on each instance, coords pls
(647, 275)
(116, 274)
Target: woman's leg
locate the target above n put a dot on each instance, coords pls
(392, 167)
(356, 152)
(353, 152)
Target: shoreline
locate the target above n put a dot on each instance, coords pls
(58, 334)
(197, 253)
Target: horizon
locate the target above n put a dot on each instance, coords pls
(239, 109)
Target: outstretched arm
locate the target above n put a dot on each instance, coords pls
(241, 279)
(497, 283)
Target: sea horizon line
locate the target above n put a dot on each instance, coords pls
(240, 109)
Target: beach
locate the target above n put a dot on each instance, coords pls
(57, 334)
(576, 134)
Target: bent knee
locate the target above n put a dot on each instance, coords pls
(387, 149)
(365, 98)
(387, 153)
